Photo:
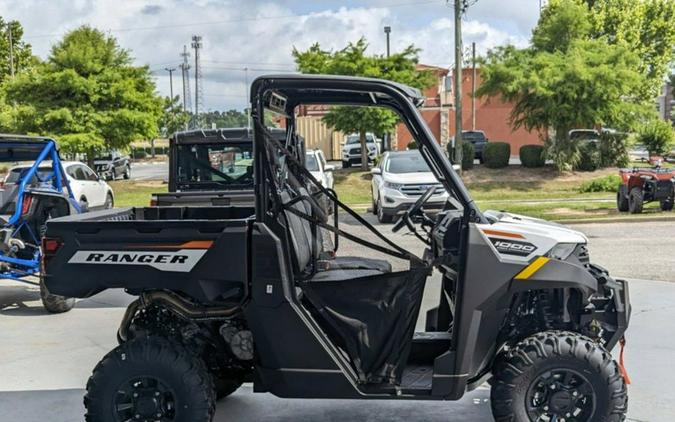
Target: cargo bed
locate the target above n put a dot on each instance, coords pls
(201, 251)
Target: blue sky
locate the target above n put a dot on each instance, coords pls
(260, 35)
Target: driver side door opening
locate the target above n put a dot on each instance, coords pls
(367, 307)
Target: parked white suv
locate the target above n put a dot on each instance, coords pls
(399, 180)
(88, 189)
(315, 162)
(351, 150)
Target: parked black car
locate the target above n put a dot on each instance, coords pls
(478, 140)
(112, 165)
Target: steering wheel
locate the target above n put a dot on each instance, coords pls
(413, 210)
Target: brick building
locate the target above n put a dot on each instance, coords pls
(492, 116)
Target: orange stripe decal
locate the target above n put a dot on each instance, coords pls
(503, 234)
(192, 244)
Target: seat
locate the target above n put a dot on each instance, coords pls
(307, 242)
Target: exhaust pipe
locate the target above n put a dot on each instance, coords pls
(179, 305)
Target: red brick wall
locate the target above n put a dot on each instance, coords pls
(492, 116)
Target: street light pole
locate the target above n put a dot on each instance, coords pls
(458, 81)
(387, 140)
(170, 70)
(473, 86)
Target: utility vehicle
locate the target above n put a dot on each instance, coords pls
(645, 184)
(228, 295)
(31, 195)
(210, 167)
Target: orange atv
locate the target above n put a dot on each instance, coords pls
(640, 185)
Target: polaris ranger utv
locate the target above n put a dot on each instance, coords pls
(228, 295)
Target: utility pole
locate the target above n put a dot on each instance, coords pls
(170, 70)
(458, 9)
(473, 86)
(197, 44)
(387, 136)
(185, 70)
(248, 101)
(11, 49)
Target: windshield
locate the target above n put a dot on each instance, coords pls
(354, 139)
(209, 165)
(584, 135)
(104, 158)
(311, 163)
(13, 176)
(407, 163)
(473, 136)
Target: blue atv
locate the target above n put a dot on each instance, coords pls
(38, 194)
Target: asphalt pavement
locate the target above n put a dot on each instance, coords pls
(45, 359)
(150, 170)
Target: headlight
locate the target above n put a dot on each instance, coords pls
(395, 186)
(562, 251)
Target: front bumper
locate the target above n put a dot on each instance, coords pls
(394, 202)
(356, 158)
(611, 304)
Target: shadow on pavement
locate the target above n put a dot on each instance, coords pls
(66, 406)
(21, 299)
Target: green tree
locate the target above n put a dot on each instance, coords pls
(88, 95)
(22, 55)
(647, 28)
(353, 60)
(173, 117)
(657, 136)
(580, 83)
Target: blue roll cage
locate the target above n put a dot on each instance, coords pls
(25, 267)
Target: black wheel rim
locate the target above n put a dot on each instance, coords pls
(560, 395)
(144, 399)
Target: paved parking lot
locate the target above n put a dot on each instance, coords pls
(45, 359)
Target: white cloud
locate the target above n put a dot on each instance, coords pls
(259, 36)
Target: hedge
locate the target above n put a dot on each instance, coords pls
(496, 154)
(468, 154)
(532, 156)
(589, 157)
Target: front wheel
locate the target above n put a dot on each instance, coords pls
(382, 217)
(346, 164)
(666, 204)
(635, 201)
(54, 304)
(557, 375)
(622, 199)
(150, 379)
(127, 173)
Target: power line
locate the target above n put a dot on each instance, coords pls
(237, 20)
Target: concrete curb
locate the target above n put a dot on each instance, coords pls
(617, 220)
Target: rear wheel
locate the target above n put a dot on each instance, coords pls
(54, 304)
(622, 199)
(667, 204)
(109, 203)
(556, 376)
(149, 379)
(635, 201)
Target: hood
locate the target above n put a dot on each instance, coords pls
(536, 226)
(318, 176)
(411, 178)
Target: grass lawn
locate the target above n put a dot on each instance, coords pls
(129, 193)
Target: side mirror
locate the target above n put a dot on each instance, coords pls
(375, 170)
(329, 167)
